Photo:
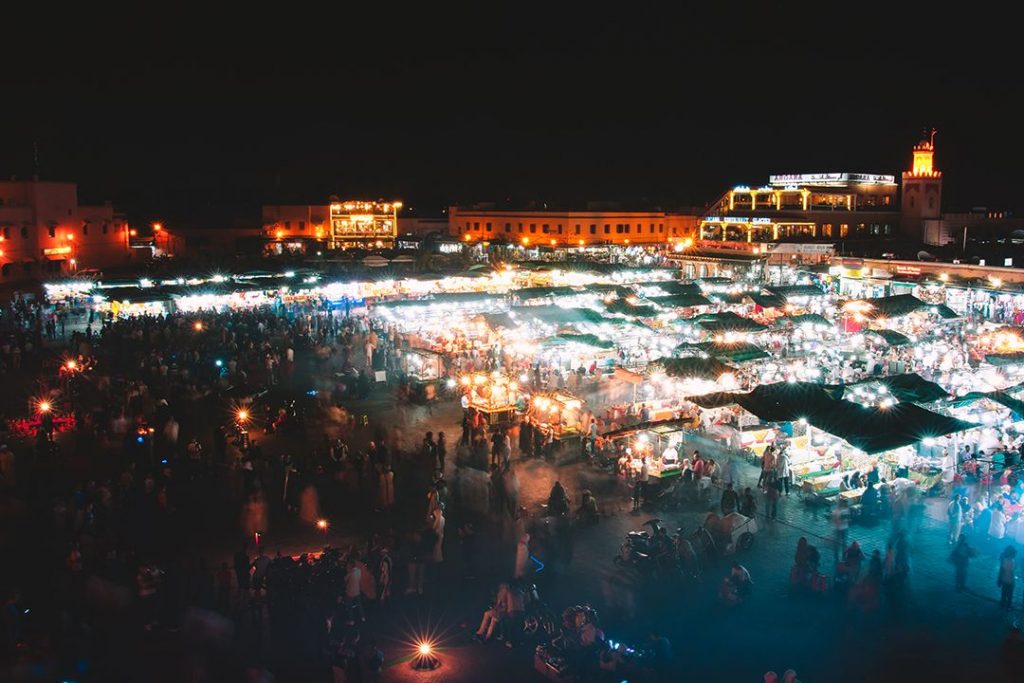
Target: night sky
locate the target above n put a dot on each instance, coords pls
(198, 119)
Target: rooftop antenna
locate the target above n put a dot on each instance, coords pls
(35, 159)
(933, 138)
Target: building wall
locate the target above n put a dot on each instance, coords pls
(569, 227)
(282, 221)
(45, 232)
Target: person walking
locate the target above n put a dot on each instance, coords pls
(841, 525)
(1007, 577)
(441, 448)
(782, 471)
(955, 516)
(960, 558)
(771, 496)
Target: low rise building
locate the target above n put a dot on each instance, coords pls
(45, 232)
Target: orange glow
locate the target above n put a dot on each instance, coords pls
(322, 524)
(526, 240)
(582, 243)
(468, 237)
(424, 648)
(626, 241)
(69, 237)
(924, 159)
(279, 234)
(553, 242)
(198, 325)
(44, 406)
(71, 365)
(1, 253)
(157, 227)
(243, 415)
(133, 232)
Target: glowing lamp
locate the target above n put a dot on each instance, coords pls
(425, 659)
(322, 524)
(198, 326)
(243, 415)
(44, 406)
(157, 227)
(71, 365)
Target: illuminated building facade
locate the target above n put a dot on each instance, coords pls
(44, 231)
(807, 206)
(337, 225)
(567, 228)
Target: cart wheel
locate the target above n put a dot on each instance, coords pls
(746, 540)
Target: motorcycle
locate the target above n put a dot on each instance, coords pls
(539, 620)
(649, 553)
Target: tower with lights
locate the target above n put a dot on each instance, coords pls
(921, 204)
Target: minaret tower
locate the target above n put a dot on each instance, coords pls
(922, 189)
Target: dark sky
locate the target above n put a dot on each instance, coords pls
(198, 119)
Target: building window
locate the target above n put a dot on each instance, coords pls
(104, 228)
(52, 230)
(577, 228)
(544, 228)
(931, 202)
(488, 227)
(652, 227)
(911, 202)
(6, 270)
(85, 230)
(7, 233)
(508, 227)
(287, 224)
(467, 226)
(593, 229)
(533, 227)
(520, 227)
(476, 227)
(559, 228)
(661, 227)
(302, 225)
(607, 229)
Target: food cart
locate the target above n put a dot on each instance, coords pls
(424, 369)
(556, 413)
(495, 396)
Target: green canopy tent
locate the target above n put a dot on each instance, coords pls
(890, 337)
(876, 430)
(623, 307)
(872, 430)
(946, 313)
(893, 306)
(767, 300)
(907, 388)
(738, 352)
(727, 321)
(556, 315)
(1015, 405)
(788, 292)
(680, 300)
(584, 339)
(692, 367)
(443, 298)
(1000, 359)
(530, 293)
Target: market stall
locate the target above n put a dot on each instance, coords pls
(556, 413)
(425, 369)
(495, 396)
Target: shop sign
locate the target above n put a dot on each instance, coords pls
(908, 270)
(56, 251)
(853, 262)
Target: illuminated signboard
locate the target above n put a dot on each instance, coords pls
(733, 219)
(908, 270)
(56, 251)
(831, 179)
